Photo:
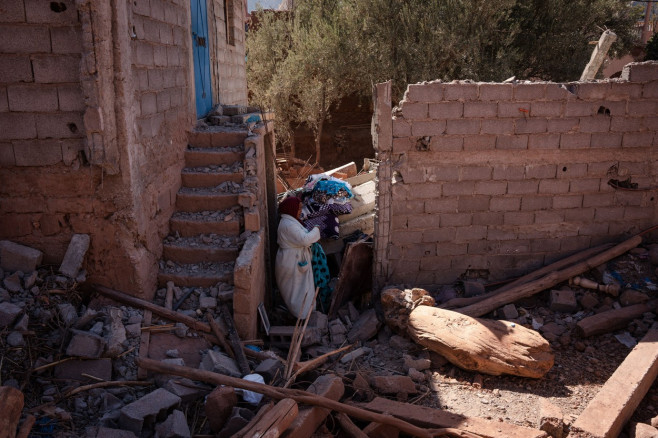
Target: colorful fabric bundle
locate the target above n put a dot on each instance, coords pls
(327, 222)
(321, 277)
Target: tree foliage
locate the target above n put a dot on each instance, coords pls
(652, 48)
(301, 64)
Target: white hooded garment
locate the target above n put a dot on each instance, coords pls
(294, 274)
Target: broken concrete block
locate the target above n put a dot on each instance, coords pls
(220, 363)
(133, 330)
(379, 430)
(88, 316)
(175, 426)
(365, 327)
(15, 339)
(349, 357)
(162, 379)
(219, 406)
(420, 364)
(67, 314)
(106, 432)
(269, 368)
(393, 384)
(416, 375)
(117, 335)
(240, 417)
(247, 199)
(30, 280)
(153, 406)
(551, 419)
(630, 297)
(641, 430)
(85, 344)
(22, 324)
(318, 320)
(509, 312)
(75, 255)
(15, 257)
(310, 418)
(12, 283)
(207, 303)
(184, 388)
(8, 313)
(563, 301)
(589, 300)
(74, 369)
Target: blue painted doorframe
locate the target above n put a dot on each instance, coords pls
(201, 49)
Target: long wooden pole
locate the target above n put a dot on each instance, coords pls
(281, 393)
(158, 310)
(575, 258)
(550, 280)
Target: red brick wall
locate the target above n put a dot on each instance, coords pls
(508, 177)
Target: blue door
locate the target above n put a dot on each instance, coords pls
(202, 87)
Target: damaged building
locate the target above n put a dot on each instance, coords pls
(136, 243)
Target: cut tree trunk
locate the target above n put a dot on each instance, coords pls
(606, 322)
(550, 280)
(486, 346)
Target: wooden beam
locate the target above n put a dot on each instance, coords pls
(234, 339)
(144, 342)
(275, 421)
(550, 280)
(435, 418)
(598, 55)
(612, 407)
(605, 322)
(158, 310)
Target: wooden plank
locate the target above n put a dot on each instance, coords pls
(348, 169)
(275, 420)
(11, 406)
(612, 407)
(355, 275)
(361, 178)
(144, 342)
(433, 418)
(234, 340)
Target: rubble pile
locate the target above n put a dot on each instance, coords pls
(97, 363)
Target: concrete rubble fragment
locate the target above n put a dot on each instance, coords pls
(75, 255)
(15, 257)
(147, 409)
(85, 344)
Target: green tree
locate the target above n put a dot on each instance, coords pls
(328, 49)
(652, 48)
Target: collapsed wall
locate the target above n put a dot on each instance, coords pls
(495, 180)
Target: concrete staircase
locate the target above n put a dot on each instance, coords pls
(205, 229)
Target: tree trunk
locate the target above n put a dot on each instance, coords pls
(486, 346)
(318, 134)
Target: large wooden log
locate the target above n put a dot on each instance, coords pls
(11, 406)
(550, 280)
(275, 421)
(605, 322)
(397, 304)
(281, 393)
(486, 346)
(613, 406)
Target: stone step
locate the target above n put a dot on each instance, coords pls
(217, 138)
(201, 200)
(200, 157)
(199, 249)
(188, 224)
(195, 275)
(191, 178)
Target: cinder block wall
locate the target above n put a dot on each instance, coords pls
(228, 57)
(46, 190)
(504, 178)
(95, 104)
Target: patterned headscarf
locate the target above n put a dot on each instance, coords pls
(290, 206)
